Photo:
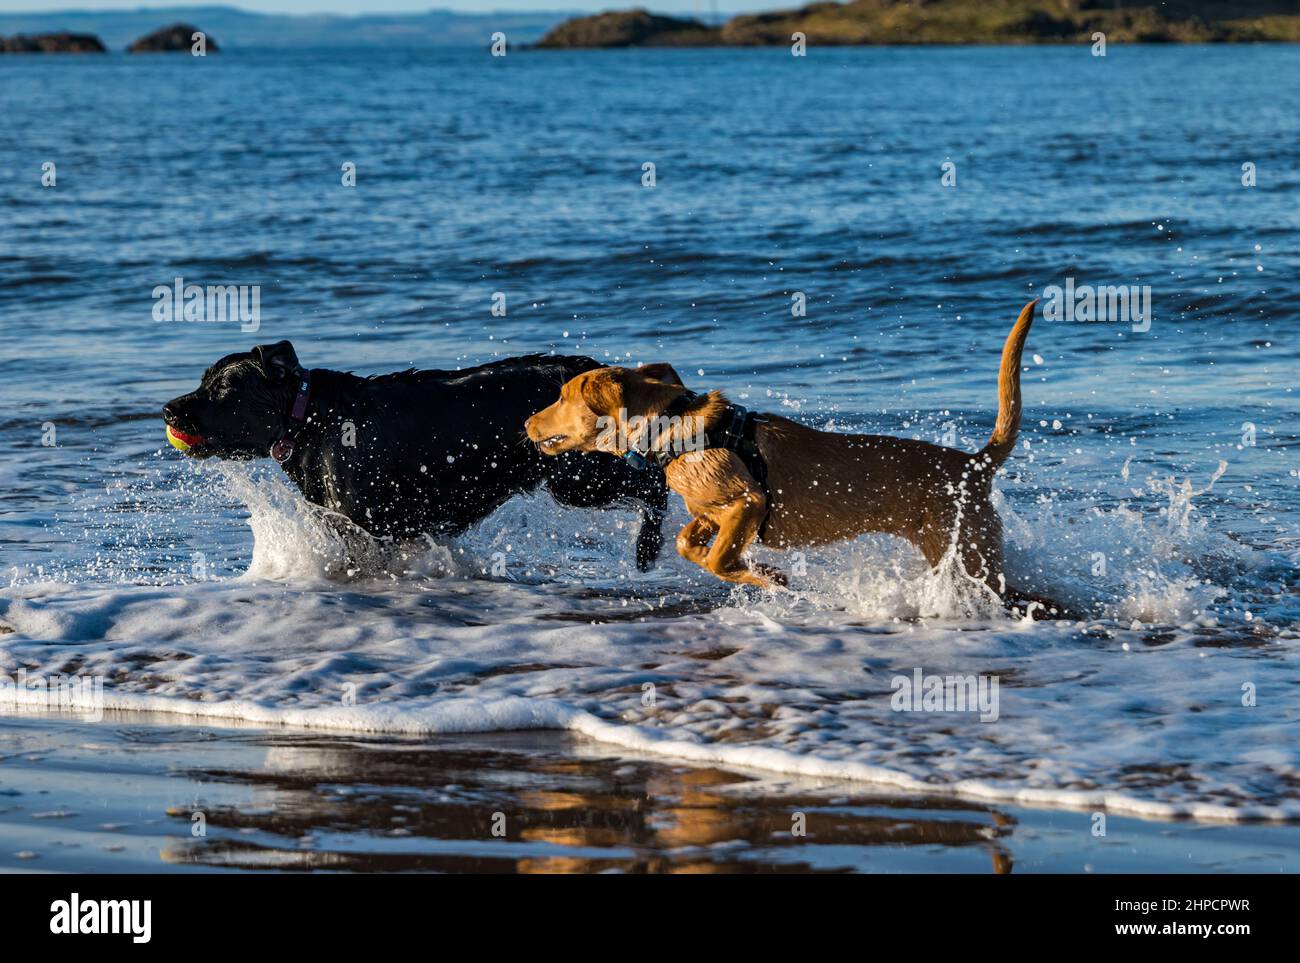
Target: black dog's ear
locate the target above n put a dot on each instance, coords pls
(277, 360)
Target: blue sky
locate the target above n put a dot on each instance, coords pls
(697, 8)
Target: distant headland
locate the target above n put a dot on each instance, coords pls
(239, 29)
(857, 22)
(868, 22)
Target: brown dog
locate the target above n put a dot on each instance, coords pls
(820, 486)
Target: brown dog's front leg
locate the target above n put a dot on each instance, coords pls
(693, 540)
(738, 523)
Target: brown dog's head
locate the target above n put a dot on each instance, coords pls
(595, 405)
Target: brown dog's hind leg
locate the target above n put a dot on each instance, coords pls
(979, 544)
(981, 548)
(933, 543)
(982, 556)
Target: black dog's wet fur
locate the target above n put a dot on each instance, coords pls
(435, 451)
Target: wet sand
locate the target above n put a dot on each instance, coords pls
(135, 793)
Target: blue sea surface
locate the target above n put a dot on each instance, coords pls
(774, 176)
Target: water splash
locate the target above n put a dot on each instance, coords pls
(295, 540)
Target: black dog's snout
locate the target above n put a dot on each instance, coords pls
(179, 413)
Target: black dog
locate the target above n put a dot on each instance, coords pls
(406, 454)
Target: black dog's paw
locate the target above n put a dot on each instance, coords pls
(649, 541)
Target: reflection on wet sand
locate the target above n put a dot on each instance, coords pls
(526, 803)
(117, 795)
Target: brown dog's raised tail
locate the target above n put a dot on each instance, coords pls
(1003, 440)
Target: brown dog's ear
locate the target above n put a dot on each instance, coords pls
(645, 394)
(661, 372)
(602, 390)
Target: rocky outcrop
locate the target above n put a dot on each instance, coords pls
(178, 38)
(819, 22)
(61, 42)
(630, 28)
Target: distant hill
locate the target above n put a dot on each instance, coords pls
(854, 22)
(236, 28)
(950, 22)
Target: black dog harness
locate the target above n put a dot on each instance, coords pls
(736, 431)
(283, 448)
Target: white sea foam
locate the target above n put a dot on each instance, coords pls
(1138, 710)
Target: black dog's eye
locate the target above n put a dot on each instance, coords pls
(209, 376)
(222, 381)
(223, 387)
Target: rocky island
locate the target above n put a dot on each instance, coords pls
(174, 39)
(861, 22)
(61, 42)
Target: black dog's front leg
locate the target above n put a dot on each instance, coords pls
(652, 488)
(598, 480)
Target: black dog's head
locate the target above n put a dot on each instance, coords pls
(240, 408)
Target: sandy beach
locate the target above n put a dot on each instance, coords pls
(122, 795)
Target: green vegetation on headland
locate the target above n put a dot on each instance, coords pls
(950, 22)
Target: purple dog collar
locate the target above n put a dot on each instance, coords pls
(283, 448)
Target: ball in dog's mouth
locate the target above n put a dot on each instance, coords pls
(548, 443)
(181, 441)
